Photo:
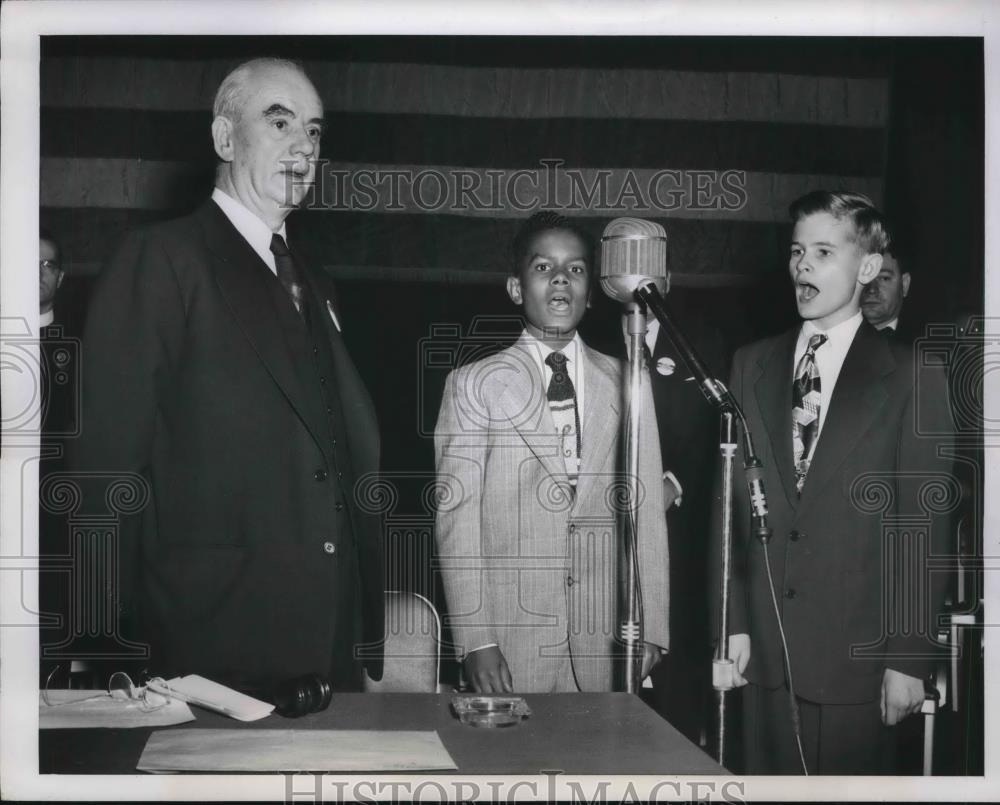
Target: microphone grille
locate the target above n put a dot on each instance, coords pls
(632, 246)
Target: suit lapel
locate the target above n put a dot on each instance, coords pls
(600, 425)
(857, 398)
(774, 400)
(523, 401)
(245, 284)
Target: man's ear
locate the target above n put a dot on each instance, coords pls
(871, 264)
(905, 279)
(222, 138)
(514, 289)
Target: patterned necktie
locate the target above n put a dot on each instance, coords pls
(288, 273)
(562, 401)
(805, 409)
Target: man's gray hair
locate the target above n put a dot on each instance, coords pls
(230, 98)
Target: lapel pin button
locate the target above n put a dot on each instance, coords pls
(665, 366)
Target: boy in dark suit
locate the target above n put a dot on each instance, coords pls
(834, 408)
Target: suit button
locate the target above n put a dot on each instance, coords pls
(794, 536)
(329, 410)
(338, 506)
(315, 350)
(329, 547)
(322, 381)
(790, 593)
(340, 476)
(570, 581)
(320, 475)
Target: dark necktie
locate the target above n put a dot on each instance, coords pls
(806, 397)
(887, 332)
(562, 397)
(647, 357)
(288, 273)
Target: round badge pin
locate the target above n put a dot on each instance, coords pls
(665, 366)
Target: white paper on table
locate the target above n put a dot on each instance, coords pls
(294, 750)
(82, 709)
(213, 696)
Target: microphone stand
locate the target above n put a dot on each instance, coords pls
(631, 625)
(716, 393)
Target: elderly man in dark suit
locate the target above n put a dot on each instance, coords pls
(216, 370)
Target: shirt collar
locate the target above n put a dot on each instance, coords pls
(571, 350)
(46, 318)
(253, 229)
(839, 336)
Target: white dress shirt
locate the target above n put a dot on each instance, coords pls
(829, 357)
(253, 229)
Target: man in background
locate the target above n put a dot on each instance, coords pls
(882, 300)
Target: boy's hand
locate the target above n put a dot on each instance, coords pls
(902, 694)
(671, 491)
(739, 653)
(651, 656)
(487, 671)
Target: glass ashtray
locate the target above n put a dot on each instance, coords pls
(490, 711)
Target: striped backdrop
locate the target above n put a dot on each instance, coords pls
(125, 139)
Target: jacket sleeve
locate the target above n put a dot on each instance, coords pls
(131, 345)
(927, 492)
(460, 449)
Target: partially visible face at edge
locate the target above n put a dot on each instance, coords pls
(50, 274)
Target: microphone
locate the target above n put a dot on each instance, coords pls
(634, 267)
(633, 251)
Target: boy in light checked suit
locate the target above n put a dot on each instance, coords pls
(527, 446)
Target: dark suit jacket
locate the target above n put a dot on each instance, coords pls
(243, 562)
(834, 554)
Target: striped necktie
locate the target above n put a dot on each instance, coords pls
(806, 397)
(562, 402)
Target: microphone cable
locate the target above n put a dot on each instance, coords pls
(796, 722)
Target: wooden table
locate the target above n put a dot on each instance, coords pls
(573, 733)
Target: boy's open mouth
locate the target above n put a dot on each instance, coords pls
(806, 291)
(559, 302)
